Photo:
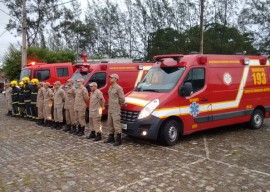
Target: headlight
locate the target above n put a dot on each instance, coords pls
(148, 109)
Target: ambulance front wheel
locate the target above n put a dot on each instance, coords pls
(257, 119)
(169, 132)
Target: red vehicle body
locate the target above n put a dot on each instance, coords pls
(48, 72)
(182, 94)
(129, 75)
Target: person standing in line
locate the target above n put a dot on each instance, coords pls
(8, 96)
(15, 98)
(58, 104)
(21, 100)
(80, 105)
(27, 97)
(97, 102)
(34, 92)
(48, 101)
(69, 107)
(116, 99)
(40, 103)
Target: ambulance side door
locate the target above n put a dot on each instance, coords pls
(197, 109)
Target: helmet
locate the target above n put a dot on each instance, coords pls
(21, 84)
(26, 79)
(35, 81)
(14, 83)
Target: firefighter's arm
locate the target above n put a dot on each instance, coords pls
(121, 95)
(102, 101)
(85, 95)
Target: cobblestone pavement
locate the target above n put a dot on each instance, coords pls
(34, 158)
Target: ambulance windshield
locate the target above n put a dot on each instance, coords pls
(160, 79)
(78, 75)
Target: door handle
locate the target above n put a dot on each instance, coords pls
(204, 99)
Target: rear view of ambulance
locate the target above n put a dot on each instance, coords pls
(182, 94)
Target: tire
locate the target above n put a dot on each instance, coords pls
(257, 119)
(169, 132)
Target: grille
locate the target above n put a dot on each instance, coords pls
(129, 116)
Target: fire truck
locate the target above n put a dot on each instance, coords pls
(183, 94)
(48, 72)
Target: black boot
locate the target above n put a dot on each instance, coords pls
(73, 129)
(59, 126)
(81, 132)
(9, 113)
(118, 140)
(41, 121)
(67, 128)
(78, 130)
(49, 124)
(110, 138)
(98, 137)
(45, 123)
(54, 125)
(92, 135)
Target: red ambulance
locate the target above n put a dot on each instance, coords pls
(129, 75)
(48, 72)
(182, 94)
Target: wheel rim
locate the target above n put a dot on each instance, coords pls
(172, 133)
(257, 120)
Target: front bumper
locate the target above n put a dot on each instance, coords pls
(149, 125)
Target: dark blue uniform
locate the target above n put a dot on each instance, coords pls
(27, 99)
(34, 92)
(21, 102)
(15, 100)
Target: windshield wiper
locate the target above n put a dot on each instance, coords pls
(150, 90)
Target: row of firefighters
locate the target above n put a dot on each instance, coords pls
(36, 101)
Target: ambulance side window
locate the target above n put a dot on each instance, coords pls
(196, 77)
(99, 78)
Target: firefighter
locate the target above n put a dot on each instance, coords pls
(95, 112)
(116, 99)
(15, 98)
(8, 95)
(58, 105)
(40, 103)
(69, 107)
(34, 92)
(47, 105)
(21, 100)
(27, 96)
(80, 104)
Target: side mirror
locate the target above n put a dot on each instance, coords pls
(186, 89)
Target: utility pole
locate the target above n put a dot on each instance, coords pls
(24, 26)
(201, 26)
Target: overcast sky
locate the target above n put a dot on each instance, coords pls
(7, 38)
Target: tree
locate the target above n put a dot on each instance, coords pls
(255, 18)
(220, 39)
(165, 41)
(12, 59)
(39, 14)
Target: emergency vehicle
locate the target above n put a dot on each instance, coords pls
(182, 94)
(48, 72)
(129, 75)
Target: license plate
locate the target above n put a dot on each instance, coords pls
(124, 126)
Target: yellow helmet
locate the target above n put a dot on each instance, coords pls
(26, 79)
(21, 84)
(14, 83)
(35, 81)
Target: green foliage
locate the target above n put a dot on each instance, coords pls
(11, 63)
(12, 59)
(218, 39)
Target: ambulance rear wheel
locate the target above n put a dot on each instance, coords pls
(169, 132)
(257, 119)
